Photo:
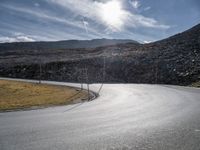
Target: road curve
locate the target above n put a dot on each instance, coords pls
(125, 116)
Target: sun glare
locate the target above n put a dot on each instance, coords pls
(112, 14)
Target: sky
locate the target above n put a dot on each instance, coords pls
(52, 20)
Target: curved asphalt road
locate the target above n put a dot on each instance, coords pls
(125, 116)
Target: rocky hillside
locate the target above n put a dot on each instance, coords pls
(175, 60)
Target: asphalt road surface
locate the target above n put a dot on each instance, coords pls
(124, 117)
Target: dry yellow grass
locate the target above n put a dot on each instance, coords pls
(196, 84)
(20, 95)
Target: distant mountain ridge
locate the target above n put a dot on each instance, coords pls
(67, 44)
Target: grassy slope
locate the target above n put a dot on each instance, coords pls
(19, 95)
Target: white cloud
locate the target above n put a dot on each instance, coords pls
(147, 8)
(17, 37)
(50, 17)
(24, 39)
(85, 24)
(93, 10)
(135, 3)
(146, 42)
(141, 21)
(94, 23)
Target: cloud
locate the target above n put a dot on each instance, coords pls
(63, 19)
(49, 16)
(146, 42)
(17, 37)
(43, 15)
(85, 24)
(135, 3)
(141, 21)
(147, 8)
(93, 10)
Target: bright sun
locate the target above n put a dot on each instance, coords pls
(112, 14)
